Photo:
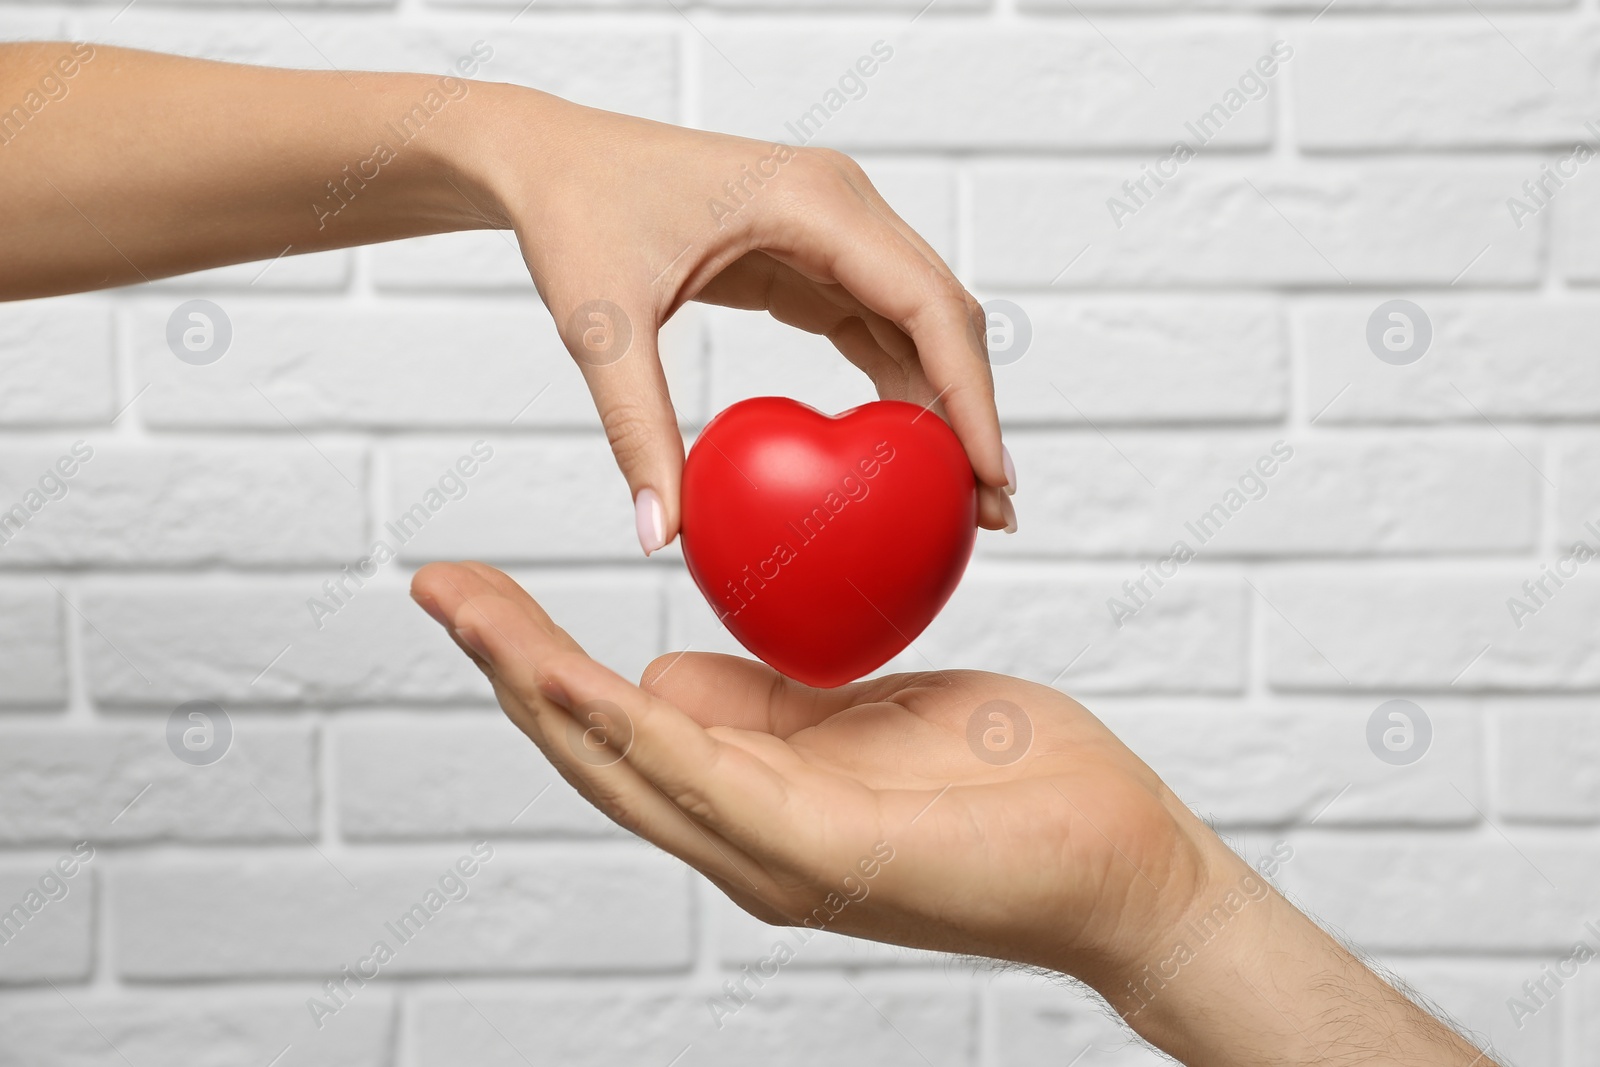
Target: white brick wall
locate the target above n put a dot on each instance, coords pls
(1228, 312)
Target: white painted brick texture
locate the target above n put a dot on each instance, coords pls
(1417, 544)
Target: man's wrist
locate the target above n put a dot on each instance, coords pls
(1245, 978)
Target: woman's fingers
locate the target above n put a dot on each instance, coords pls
(615, 348)
(852, 243)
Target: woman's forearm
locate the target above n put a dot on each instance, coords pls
(137, 165)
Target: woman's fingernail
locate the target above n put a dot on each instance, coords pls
(1010, 512)
(651, 519)
(1011, 471)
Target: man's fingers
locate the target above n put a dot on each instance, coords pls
(590, 737)
(441, 588)
(616, 351)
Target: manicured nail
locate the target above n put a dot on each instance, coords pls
(651, 519)
(1010, 512)
(1011, 471)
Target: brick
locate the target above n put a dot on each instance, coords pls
(1403, 631)
(219, 641)
(32, 646)
(1455, 893)
(912, 6)
(470, 260)
(1302, 761)
(120, 783)
(1048, 628)
(1065, 87)
(1364, 85)
(877, 1022)
(922, 194)
(466, 779)
(1574, 210)
(1056, 629)
(1577, 478)
(1364, 6)
(1546, 760)
(1370, 223)
(752, 354)
(201, 1028)
(140, 503)
(162, 643)
(55, 358)
(618, 70)
(1489, 358)
(1128, 494)
(559, 498)
(303, 366)
(1116, 360)
(691, 624)
(54, 938)
(1039, 1019)
(1585, 1028)
(296, 915)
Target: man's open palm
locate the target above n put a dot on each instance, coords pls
(1019, 826)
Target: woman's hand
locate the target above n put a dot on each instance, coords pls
(621, 221)
(957, 811)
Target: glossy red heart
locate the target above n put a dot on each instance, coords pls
(827, 544)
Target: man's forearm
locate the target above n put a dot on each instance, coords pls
(139, 165)
(1247, 979)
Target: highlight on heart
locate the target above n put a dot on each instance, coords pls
(826, 544)
(809, 527)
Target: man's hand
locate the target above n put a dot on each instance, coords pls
(1019, 827)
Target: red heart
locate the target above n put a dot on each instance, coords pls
(827, 544)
